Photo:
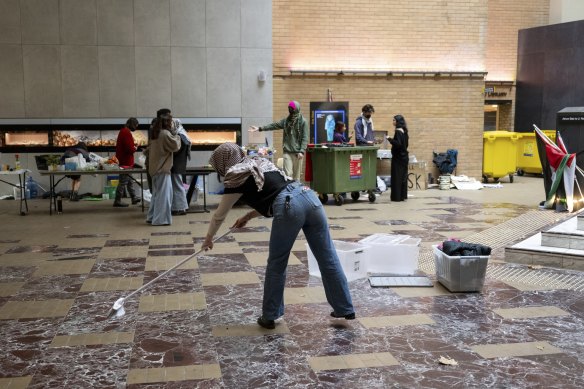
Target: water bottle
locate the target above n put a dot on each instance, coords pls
(32, 188)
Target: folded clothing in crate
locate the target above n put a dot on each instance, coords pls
(461, 273)
(456, 247)
(352, 258)
(392, 254)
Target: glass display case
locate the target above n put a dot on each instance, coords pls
(55, 135)
(25, 138)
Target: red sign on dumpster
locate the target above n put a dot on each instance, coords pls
(355, 166)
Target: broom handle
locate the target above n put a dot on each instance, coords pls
(175, 266)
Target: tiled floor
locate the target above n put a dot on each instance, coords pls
(61, 274)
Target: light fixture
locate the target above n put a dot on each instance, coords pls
(389, 73)
(262, 76)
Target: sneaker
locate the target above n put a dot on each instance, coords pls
(135, 201)
(178, 213)
(74, 196)
(350, 316)
(267, 324)
(121, 205)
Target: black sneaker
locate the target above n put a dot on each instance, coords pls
(121, 205)
(350, 316)
(74, 196)
(267, 324)
(135, 201)
(178, 213)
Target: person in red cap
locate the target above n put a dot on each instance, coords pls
(294, 140)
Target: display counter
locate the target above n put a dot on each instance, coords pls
(55, 135)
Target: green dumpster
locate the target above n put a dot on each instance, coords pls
(339, 170)
(499, 154)
(527, 153)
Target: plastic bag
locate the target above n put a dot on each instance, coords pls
(96, 158)
(141, 161)
(381, 186)
(146, 195)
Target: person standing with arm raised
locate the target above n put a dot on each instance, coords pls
(295, 139)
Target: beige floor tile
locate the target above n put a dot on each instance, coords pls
(24, 259)
(351, 361)
(171, 240)
(15, 382)
(304, 295)
(231, 278)
(92, 339)
(75, 266)
(528, 287)
(252, 236)
(9, 288)
(123, 252)
(249, 330)
(530, 312)
(173, 302)
(299, 245)
(395, 321)
(111, 284)
(175, 373)
(35, 309)
(83, 242)
(257, 259)
(165, 263)
(436, 290)
(224, 248)
(504, 350)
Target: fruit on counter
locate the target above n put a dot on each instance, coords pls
(112, 160)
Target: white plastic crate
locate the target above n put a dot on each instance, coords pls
(392, 254)
(460, 273)
(352, 258)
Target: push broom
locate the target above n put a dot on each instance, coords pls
(118, 308)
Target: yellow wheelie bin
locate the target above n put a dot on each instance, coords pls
(499, 154)
(527, 153)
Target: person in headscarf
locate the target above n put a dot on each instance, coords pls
(179, 167)
(364, 135)
(295, 139)
(399, 159)
(261, 185)
(163, 142)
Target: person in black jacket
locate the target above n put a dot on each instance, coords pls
(293, 207)
(179, 168)
(399, 159)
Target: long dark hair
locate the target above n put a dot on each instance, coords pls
(162, 123)
(400, 122)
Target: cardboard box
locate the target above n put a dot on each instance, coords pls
(417, 174)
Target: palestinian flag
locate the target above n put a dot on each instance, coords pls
(562, 167)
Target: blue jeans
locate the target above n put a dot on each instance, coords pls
(304, 211)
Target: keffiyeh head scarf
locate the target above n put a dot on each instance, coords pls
(230, 162)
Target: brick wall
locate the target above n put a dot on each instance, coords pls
(396, 34)
(441, 114)
(455, 35)
(505, 19)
